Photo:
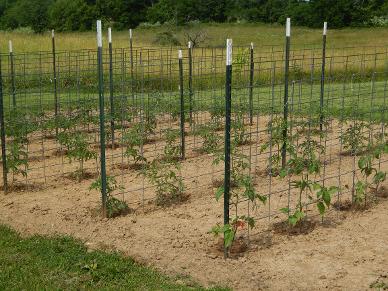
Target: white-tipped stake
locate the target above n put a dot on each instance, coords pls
(180, 55)
(10, 46)
(229, 51)
(130, 33)
(288, 27)
(110, 35)
(99, 34)
(190, 45)
(324, 28)
(52, 33)
(252, 45)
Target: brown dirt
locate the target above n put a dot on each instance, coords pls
(348, 251)
(342, 256)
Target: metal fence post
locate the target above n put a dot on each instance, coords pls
(182, 109)
(102, 117)
(55, 80)
(251, 71)
(285, 101)
(190, 47)
(228, 109)
(131, 58)
(112, 109)
(2, 133)
(12, 67)
(321, 114)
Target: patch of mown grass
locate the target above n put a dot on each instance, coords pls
(63, 263)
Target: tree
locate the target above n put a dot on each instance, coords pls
(70, 15)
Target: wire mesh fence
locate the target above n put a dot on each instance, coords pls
(164, 128)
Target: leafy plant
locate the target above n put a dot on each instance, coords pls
(239, 132)
(169, 185)
(353, 139)
(303, 163)
(217, 113)
(371, 177)
(172, 149)
(242, 188)
(210, 138)
(134, 139)
(77, 148)
(114, 206)
(17, 159)
(275, 129)
(323, 197)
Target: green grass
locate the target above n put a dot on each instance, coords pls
(62, 263)
(350, 99)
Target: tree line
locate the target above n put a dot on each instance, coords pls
(80, 15)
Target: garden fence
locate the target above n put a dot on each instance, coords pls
(168, 125)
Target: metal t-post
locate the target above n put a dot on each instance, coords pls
(228, 109)
(182, 109)
(102, 117)
(285, 101)
(321, 113)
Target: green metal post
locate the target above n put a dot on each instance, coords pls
(132, 76)
(321, 114)
(55, 80)
(228, 109)
(191, 81)
(12, 67)
(102, 117)
(182, 113)
(112, 109)
(2, 133)
(252, 68)
(285, 101)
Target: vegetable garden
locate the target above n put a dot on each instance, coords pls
(281, 136)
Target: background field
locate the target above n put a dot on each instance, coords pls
(242, 35)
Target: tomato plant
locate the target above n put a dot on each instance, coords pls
(77, 148)
(169, 185)
(242, 188)
(114, 206)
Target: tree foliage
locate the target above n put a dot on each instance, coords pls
(73, 15)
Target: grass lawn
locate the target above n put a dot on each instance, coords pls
(364, 100)
(62, 263)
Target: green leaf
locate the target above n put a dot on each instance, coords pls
(299, 214)
(228, 236)
(285, 210)
(362, 163)
(326, 197)
(283, 173)
(293, 220)
(321, 208)
(379, 177)
(220, 192)
(262, 198)
(250, 221)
